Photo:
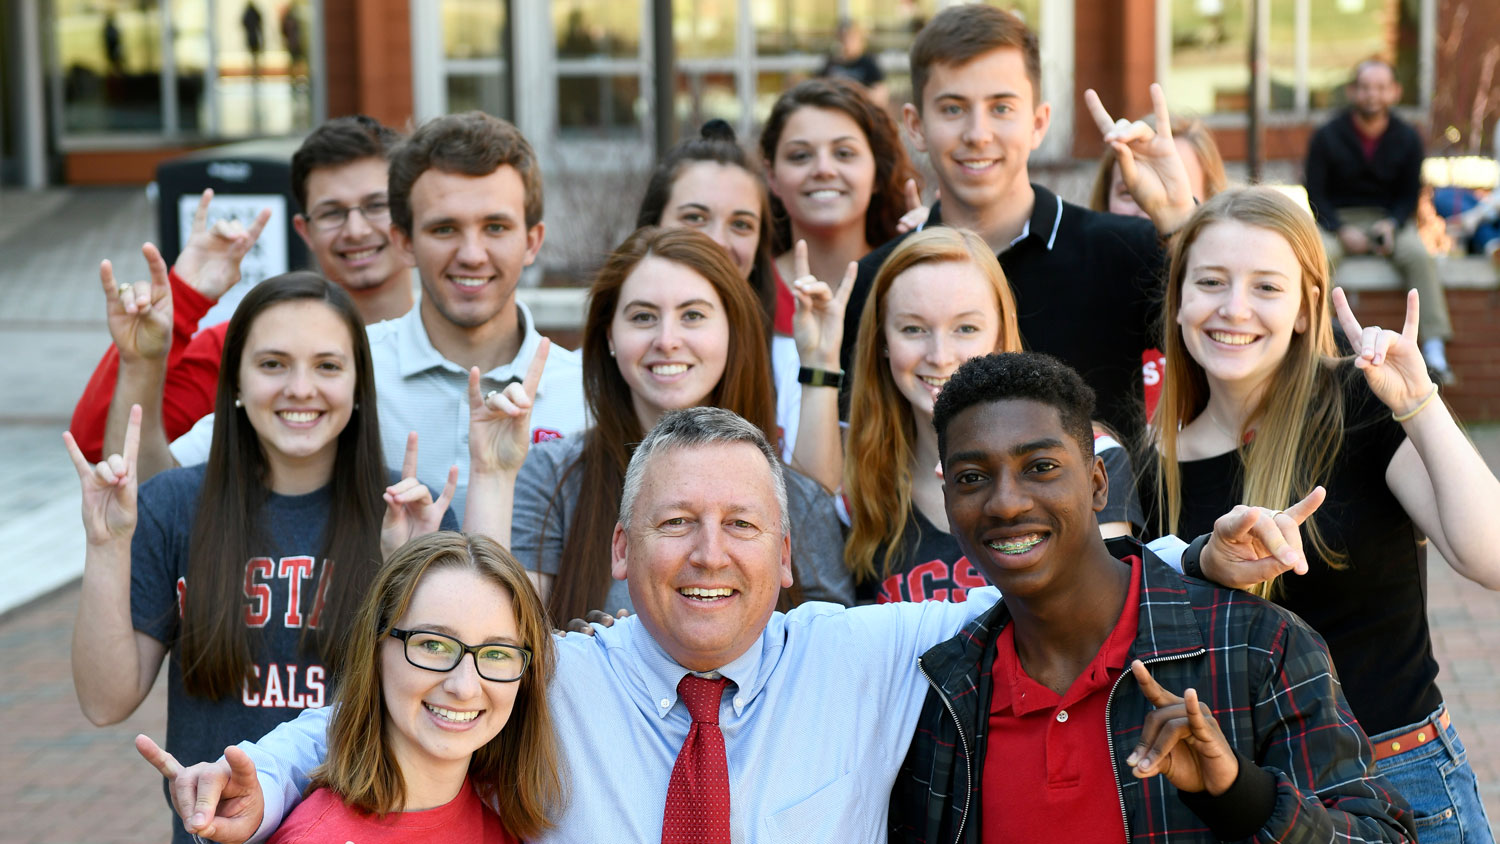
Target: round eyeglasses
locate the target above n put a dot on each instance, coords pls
(439, 652)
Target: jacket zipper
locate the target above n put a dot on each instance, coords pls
(1109, 732)
(964, 742)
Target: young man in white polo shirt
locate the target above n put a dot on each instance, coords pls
(466, 207)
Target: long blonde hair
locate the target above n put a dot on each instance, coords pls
(518, 771)
(1299, 425)
(878, 454)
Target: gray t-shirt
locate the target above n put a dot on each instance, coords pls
(281, 597)
(537, 536)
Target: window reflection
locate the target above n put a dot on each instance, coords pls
(704, 28)
(586, 28)
(486, 92)
(600, 106)
(473, 29)
(1345, 32)
(109, 57)
(794, 26)
(1209, 71)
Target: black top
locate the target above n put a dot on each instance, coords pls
(1087, 288)
(1372, 612)
(1339, 175)
(862, 69)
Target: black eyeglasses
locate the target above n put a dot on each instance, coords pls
(438, 652)
(332, 218)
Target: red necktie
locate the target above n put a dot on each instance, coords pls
(698, 797)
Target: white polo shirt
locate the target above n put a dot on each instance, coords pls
(420, 390)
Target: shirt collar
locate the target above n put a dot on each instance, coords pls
(661, 673)
(1046, 217)
(418, 355)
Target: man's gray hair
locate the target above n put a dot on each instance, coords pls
(699, 426)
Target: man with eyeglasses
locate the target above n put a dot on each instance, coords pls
(339, 178)
(465, 207)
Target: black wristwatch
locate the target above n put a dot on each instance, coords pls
(820, 378)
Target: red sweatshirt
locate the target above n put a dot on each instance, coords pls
(192, 375)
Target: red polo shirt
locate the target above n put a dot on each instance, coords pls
(1047, 770)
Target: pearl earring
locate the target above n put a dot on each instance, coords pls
(238, 403)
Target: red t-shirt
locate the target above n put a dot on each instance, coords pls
(323, 817)
(1047, 769)
(786, 305)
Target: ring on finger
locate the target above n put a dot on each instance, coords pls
(126, 290)
(491, 394)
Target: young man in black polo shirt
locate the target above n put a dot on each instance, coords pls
(1084, 282)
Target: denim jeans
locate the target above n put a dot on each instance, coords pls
(1438, 782)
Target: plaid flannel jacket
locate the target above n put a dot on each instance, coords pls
(1264, 673)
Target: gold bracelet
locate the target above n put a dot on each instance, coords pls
(1422, 405)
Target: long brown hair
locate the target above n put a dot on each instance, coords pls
(892, 165)
(1298, 426)
(216, 647)
(518, 771)
(882, 429)
(1185, 128)
(745, 388)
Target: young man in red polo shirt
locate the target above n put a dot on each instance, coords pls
(339, 176)
(1107, 697)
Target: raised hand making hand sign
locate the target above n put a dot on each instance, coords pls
(109, 489)
(1150, 162)
(210, 260)
(1181, 741)
(410, 511)
(499, 438)
(1392, 363)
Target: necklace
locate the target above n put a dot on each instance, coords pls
(1243, 439)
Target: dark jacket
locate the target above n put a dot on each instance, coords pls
(1305, 764)
(1339, 175)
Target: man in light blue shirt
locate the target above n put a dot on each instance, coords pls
(822, 700)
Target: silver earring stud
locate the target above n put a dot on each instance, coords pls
(238, 403)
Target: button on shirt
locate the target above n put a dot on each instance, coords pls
(1048, 775)
(816, 722)
(420, 390)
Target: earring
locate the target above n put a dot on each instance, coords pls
(611, 351)
(356, 405)
(238, 403)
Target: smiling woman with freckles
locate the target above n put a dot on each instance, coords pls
(247, 568)
(442, 728)
(670, 324)
(937, 301)
(1258, 410)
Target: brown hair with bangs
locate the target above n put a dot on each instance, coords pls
(1299, 425)
(745, 388)
(518, 771)
(882, 426)
(892, 165)
(959, 34)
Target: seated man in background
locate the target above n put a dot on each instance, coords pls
(1364, 177)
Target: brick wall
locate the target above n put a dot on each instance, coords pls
(1474, 352)
(369, 59)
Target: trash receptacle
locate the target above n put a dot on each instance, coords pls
(246, 177)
